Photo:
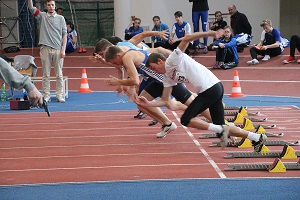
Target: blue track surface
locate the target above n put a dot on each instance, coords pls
(109, 101)
(164, 189)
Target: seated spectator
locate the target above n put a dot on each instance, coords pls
(269, 45)
(294, 43)
(226, 52)
(71, 38)
(156, 41)
(219, 23)
(180, 29)
(241, 27)
(133, 29)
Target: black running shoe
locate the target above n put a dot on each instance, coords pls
(258, 145)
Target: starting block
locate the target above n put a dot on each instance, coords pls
(242, 111)
(260, 129)
(239, 119)
(245, 143)
(277, 166)
(267, 143)
(248, 125)
(287, 153)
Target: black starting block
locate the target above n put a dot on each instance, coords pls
(19, 104)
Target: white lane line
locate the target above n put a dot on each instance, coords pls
(101, 155)
(81, 137)
(93, 145)
(102, 167)
(71, 129)
(203, 151)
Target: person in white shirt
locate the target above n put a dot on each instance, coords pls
(178, 68)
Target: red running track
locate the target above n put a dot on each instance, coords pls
(89, 146)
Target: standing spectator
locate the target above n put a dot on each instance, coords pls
(226, 53)
(180, 29)
(269, 45)
(53, 39)
(294, 43)
(133, 28)
(200, 9)
(241, 27)
(158, 26)
(72, 38)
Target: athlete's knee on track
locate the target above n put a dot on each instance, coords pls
(185, 120)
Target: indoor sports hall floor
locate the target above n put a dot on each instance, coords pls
(92, 148)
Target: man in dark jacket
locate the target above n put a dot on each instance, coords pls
(239, 22)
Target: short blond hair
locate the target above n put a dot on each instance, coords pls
(266, 22)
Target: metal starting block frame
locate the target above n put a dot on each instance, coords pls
(214, 135)
(242, 111)
(239, 118)
(248, 125)
(233, 107)
(267, 143)
(287, 153)
(276, 166)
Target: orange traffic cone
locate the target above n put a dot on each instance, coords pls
(236, 87)
(84, 87)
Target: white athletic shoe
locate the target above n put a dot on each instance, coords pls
(224, 135)
(253, 62)
(266, 58)
(166, 129)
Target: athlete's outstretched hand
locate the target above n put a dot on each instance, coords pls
(219, 33)
(164, 34)
(112, 81)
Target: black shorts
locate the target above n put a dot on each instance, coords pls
(179, 91)
(210, 98)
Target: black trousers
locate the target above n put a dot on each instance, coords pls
(294, 43)
(157, 44)
(175, 45)
(210, 98)
(271, 52)
(224, 55)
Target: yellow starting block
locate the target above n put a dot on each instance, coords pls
(245, 143)
(277, 166)
(248, 125)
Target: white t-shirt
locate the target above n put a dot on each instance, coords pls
(182, 68)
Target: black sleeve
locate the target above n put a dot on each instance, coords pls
(246, 24)
(223, 24)
(191, 0)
